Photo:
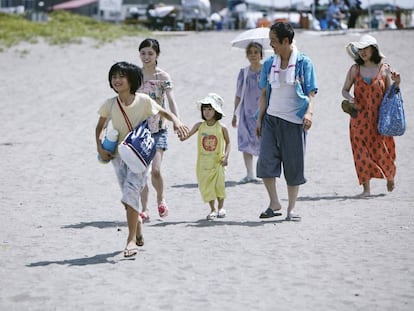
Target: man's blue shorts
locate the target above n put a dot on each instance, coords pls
(282, 143)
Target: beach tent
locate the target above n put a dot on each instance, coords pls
(73, 4)
(83, 7)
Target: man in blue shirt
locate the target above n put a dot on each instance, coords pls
(288, 84)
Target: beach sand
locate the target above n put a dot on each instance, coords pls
(63, 228)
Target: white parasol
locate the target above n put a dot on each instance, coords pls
(259, 35)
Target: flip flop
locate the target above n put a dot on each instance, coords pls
(140, 240)
(130, 252)
(269, 213)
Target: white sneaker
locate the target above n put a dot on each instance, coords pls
(221, 213)
(211, 216)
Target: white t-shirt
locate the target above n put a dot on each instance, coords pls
(284, 102)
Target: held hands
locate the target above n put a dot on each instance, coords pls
(182, 131)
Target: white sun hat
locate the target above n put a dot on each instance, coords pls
(365, 41)
(214, 100)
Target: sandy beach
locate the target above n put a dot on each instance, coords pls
(63, 228)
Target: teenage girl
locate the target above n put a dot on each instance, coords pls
(158, 85)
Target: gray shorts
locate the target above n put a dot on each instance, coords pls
(161, 139)
(131, 184)
(282, 143)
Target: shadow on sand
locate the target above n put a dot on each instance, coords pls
(84, 261)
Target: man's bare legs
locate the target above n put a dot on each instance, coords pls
(270, 185)
(292, 196)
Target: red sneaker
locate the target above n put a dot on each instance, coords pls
(163, 209)
(145, 217)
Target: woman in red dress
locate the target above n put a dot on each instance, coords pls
(374, 154)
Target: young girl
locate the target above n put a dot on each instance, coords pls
(158, 85)
(125, 79)
(213, 152)
(246, 103)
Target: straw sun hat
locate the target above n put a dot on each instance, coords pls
(365, 41)
(214, 100)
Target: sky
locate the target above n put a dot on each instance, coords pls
(407, 4)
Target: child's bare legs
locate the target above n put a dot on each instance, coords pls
(132, 221)
(212, 204)
(156, 177)
(221, 211)
(212, 215)
(139, 237)
(157, 182)
(270, 185)
(220, 203)
(144, 199)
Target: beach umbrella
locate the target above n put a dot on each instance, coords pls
(260, 35)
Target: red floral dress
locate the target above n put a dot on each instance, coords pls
(374, 154)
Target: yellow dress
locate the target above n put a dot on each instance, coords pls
(210, 173)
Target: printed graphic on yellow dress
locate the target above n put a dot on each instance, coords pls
(209, 142)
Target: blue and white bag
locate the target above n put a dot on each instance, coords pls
(138, 148)
(391, 119)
